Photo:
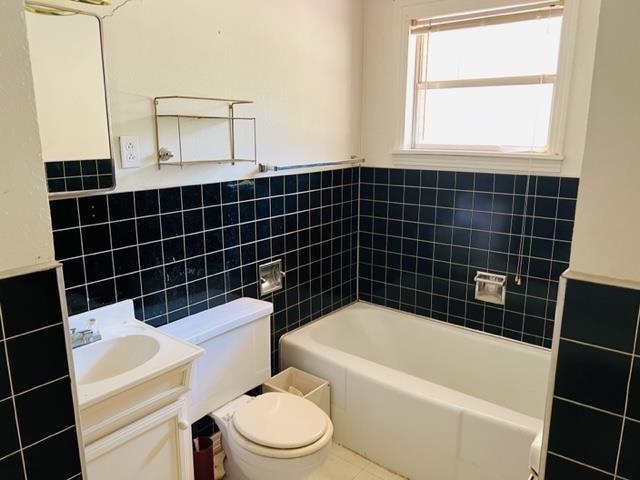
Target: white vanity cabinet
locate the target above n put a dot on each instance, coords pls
(156, 447)
(132, 385)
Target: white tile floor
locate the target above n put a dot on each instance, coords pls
(344, 464)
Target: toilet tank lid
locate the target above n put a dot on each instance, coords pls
(203, 326)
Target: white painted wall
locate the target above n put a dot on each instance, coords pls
(381, 57)
(606, 240)
(25, 225)
(299, 60)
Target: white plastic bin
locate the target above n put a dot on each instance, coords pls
(312, 388)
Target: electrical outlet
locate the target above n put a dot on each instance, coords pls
(129, 152)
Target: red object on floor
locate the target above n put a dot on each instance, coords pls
(203, 458)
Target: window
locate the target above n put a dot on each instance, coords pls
(485, 81)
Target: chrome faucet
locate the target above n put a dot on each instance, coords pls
(85, 337)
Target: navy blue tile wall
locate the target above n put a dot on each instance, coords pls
(425, 234)
(76, 175)
(178, 251)
(38, 436)
(595, 418)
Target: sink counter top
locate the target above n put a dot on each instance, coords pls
(128, 354)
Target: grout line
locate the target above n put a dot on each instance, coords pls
(511, 236)
(140, 270)
(137, 247)
(474, 190)
(160, 213)
(626, 400)
(504, 252)
(48, 437)
(358, 228)
(577, 462)
(113, 262)
(42, 385)
(415, 270)
(471, 230)
(164, 272)
(599, 347)
(433, 262)
(469, 250)
(590, 407)
(552, 256)
(13, 398)
(449, 246)
(35, 330)
(9, 454)
(529, 197)
(240, 224)
(84, 267)
(206, 264)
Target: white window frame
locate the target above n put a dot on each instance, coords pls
(549, 161)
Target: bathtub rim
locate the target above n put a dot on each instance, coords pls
(434, 321)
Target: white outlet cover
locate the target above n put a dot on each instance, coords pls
(129, 151)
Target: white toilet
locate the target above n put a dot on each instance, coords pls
(275, 435)
(271, 436)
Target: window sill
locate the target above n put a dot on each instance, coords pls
(475, 161)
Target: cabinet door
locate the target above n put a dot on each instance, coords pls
(157, 447)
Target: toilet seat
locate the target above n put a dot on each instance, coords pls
(280, 420)
(301, 427)
(284, 453)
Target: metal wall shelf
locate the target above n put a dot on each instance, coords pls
(181, 108)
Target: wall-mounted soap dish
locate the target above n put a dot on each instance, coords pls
(271, 275)
(491, 287)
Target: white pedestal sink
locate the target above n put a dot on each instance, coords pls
(124, 381)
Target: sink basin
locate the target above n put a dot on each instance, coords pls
(101, 360)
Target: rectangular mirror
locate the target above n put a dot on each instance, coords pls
(67, 61)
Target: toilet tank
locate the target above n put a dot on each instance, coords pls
(236, 338)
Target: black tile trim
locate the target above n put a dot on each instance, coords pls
(79, 175)
(587, 435)
(594, 377)
(30, 407)
(589, 310)
(587, 304)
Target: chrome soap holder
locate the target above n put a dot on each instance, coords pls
(271, 275)
(491, 287)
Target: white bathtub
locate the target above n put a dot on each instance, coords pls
(428, 400)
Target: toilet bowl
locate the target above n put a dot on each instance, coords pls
(273, 436)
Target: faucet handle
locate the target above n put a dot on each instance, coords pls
(93, 326)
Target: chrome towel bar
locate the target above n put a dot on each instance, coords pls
(263, 167)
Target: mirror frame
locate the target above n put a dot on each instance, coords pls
(48, 9)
